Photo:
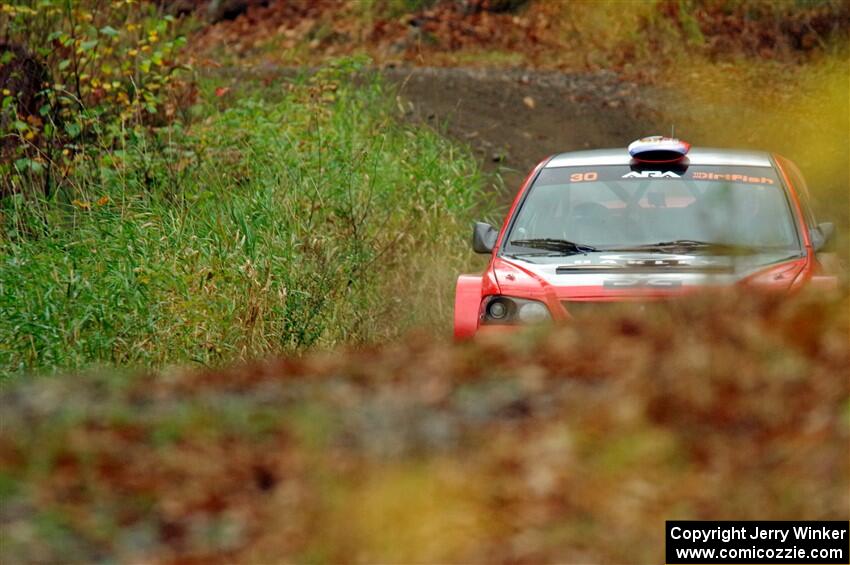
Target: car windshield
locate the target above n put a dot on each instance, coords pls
(576, 209)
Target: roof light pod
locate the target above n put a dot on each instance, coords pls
(659, 149)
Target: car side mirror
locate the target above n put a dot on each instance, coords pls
(821, 234)
(483, 237)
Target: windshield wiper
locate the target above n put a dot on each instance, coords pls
(690, 244)
(559, 245)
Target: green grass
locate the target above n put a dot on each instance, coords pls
(297, 215)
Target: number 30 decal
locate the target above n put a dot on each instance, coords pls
(584, 177)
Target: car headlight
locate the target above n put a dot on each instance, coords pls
(510, 310)
(532, 312)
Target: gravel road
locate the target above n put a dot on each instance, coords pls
(514, 118)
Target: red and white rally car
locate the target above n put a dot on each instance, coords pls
(656, 220)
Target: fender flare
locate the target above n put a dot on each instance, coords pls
(467, 305)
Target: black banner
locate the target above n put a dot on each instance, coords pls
(691, 541)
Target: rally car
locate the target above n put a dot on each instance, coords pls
(655, 220)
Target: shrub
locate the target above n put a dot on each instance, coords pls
(79, 78)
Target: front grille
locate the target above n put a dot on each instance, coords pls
(581, 309)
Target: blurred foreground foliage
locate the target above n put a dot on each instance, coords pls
(283, 216)
(569, 445)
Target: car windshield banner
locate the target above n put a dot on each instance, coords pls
(658, 171)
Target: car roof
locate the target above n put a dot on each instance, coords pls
(696, 156)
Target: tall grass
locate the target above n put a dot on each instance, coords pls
(269, 225)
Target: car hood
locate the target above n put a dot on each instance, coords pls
(615, 273)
